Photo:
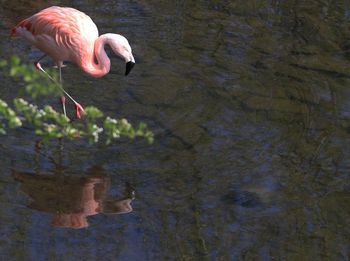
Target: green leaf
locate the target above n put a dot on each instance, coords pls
(3, 63)
(50, 124)
(93, 113)
(15, 61)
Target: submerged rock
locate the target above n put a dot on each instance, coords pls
(242, 198)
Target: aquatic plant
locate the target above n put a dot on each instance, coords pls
(50, 124)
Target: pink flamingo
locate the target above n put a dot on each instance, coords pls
(66, 34)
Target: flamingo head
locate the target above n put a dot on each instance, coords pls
(121, 47)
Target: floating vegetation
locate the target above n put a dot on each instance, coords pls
(50, 124)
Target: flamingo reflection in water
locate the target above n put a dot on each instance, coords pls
(72, 199)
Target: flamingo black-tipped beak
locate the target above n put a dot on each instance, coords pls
(129, 66)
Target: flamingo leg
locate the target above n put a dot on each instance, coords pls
(78, 108)
(60, 72)
(63, 98)
(38, 66)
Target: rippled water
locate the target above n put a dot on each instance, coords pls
(249, 104)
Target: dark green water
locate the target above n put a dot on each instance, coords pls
(249, 101)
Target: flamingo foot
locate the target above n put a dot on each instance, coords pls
(78, 110)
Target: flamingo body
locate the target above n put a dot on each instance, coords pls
(66, 34)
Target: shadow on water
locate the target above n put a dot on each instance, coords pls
(249, 104)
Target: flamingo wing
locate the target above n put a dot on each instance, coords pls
(61, 32)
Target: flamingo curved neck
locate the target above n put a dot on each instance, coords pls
(103, 62)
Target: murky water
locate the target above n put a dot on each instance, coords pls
(249, 101)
